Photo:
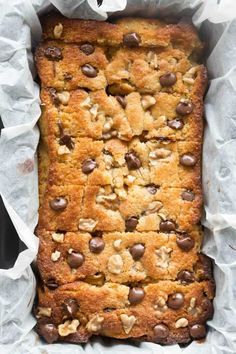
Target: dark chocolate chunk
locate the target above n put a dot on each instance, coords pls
(137, 251)
(198, 331)
(88, 166)
(184, 108)
(176, 124)
(161, 331)
(89, 71)
(48, 331)
(53, 53)
(96, 245)
(132, 161)
(185, 277)
(121, 100)
(175, 301)
(58, 203)
(188, 160)
(131, 223)
(87, 48)
(75, 259)
(168, 79)
(188, 195)
(185, 242)
(136, 295)
(167, 226)
(131, 40)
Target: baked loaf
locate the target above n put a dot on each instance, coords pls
(120, 182)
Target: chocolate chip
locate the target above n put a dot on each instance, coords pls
(48, 331)
(131, 223)
(175, 301)
(176, 124)
(203, 267)
(152, 188)
(167, 226)
(188, 195)
(67, 77)
(198, 331)
(51, 284)
(89, 71)
(132, 161)
(184, 108)
(87, 48)
(75, 259)
(136, 295)
(96, 245)
(58, 203)
(67, 140)
(185, 277)
(71, 307)
(185, 242)
(168, 79)
(137, 251)
(131, 39)
(207, 308)
(88, 166)
(161, 331)
(188, 160)
(54, 97)
(121, 101)
(53, 53)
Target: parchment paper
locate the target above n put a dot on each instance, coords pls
(19, 108)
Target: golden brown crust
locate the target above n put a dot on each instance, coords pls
(120, 182)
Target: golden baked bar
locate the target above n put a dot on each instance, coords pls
(120, 182)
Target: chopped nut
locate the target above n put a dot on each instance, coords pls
(152, 60)
(192, 305)
(58, 237)
(96, 279)
(44, 312)
(191, 72)
(117, 244)
(163, 254)
(121, 193)
(68, 327)
(87, 224)
(86, 103)
(64, 97)
(55, 256)
(153, 207)
(159, 153)
(181, 323)
(127, 322)
(94, 110)
(192, 302)
(103, 198)
(63, 150)
(130, 180)
(188, 80)
(95, 324)
(148, 101)
(108, 161)
(58, 31)
(108, 125)
(115, 264)
(70, 250)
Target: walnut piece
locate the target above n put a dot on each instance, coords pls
(44, 312)
(87, 224)
(63, 97)
(57, 31)
(153, 207)
(95, 324)
(152, 60)
(127, 322)
(148, 101)
(63, 150)
(68, 327)
(163, 255)
(58, 237)
(115, 264)
(55, 256)
(117, 244)
(181, 323)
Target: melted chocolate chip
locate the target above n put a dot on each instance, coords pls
(121, 100)
(175, 301)
(184, 108)
(131, 223)
(185, 277)
(152, 188)
(188, 195)
(188, 160)
(96, 245)
(176, 124)
(87, 48)
(75, 259)
(198, 331)
(67, 140)
(132, 161)
(136, 295)
(131, 40)
(71, 307)
(88, 166)
(161, 331)
(137, 251)
(48, 331)
(89, 71)
(53, 53)
(185, 242)
(168, 79)
(51, 284)
(167, 226)
(58, 203)
(67, 77)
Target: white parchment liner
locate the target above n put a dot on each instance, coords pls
(19, 108)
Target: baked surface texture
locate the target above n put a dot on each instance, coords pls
(120, 182)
